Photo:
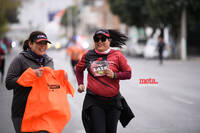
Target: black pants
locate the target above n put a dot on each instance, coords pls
(104, 120)
(2, 68)
(17, 125)
(161, 57)
(100, 115)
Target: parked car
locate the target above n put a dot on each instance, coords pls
(135, 47)
(150, 50)
(58, 44)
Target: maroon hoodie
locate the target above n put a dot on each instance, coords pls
(96, 63)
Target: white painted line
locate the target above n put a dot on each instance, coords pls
(182, 100)
(80, 131)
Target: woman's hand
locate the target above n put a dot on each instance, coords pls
(81, 88)
(109, 73)
(66, 75)
(38, 72)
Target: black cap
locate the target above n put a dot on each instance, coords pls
(103, 32)
(41, 37)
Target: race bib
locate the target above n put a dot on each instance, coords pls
(98, 68)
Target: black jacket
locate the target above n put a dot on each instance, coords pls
(21, 62)
(126, 113)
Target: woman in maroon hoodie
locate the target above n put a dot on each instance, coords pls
(106, 66)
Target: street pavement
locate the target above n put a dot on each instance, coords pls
(170, 106)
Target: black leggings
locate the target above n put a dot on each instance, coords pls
(104, 120)
(17, 125)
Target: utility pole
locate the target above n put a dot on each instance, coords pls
(69, 23)
(183, 35)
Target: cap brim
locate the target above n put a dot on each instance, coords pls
(105, 34)
(102, 32)
(43, 40)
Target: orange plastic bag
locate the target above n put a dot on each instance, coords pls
(47, 106)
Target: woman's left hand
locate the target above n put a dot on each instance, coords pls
(109, 73)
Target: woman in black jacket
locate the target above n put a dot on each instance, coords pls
(34, 56)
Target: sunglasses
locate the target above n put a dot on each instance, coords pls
(97, 39)
(41, 43)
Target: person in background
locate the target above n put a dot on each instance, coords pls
(33, 56)
(160, 48)
(75, 51)
(2, 60)
(8, 44)
(106, 67)
(3, 52)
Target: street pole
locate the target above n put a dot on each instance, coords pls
(183, 35)
(69, 23)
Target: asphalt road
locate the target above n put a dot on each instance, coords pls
(171, 106)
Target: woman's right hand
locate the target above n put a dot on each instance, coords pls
(81, 88)
(38, 72)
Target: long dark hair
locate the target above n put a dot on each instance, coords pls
(31, 39)
(118, 39)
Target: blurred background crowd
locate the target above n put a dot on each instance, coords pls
(142, 20)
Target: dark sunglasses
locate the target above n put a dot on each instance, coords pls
(97, 39)
(41, 43)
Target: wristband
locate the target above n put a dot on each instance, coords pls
(115, 76)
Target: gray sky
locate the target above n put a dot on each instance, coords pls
(36, 11)
(33, 15)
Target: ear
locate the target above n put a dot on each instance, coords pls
(30, 44)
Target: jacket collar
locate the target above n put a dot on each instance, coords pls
(31, 57)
